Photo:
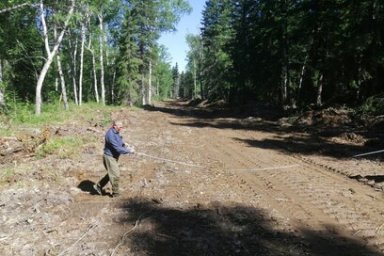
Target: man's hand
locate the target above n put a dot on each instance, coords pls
(131, 149)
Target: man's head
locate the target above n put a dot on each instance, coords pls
(118, 125)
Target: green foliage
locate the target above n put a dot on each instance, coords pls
(23, 113)
(373, 105)
(20, 113)
(285, 51)
(276, 51)
(216, 35)
(62, 147)
(20, 51)
(163, 80)
(138, 50)
(6, 173)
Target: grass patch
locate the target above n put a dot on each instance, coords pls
(62, 147)
(23, 115)
(6, 174)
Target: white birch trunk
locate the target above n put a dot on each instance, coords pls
(194, 79)
(74, 73)
(149, 85)
(319, 91)
(95, 77)
(143, 98)
(1, 71)
(62, 82)
(61, 75)
(51, 54)
(113, 86)
(81, 63)
(16, 7)
(95, 87)
(101, 59)
(303, 69)
(2, 100)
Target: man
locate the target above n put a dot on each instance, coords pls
(113, 148)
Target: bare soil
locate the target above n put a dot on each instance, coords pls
(202, 182)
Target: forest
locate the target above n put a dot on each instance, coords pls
(294, 54)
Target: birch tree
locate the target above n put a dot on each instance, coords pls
(194, 62)
(2, 100)
(51, 53)
(101, 42)
(13, 8)
(73, 68)
(82, 45)
(61, 75)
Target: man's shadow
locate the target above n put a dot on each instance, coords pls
(87, 186)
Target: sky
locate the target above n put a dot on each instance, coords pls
(176, 42)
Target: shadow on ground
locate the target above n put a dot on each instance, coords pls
(303, 139)
(219, 229)
(87, 186)
(375, 178)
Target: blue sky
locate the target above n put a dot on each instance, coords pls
(175, 41)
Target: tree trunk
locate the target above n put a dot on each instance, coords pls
(176, 89)
(81, 63)
(95, 77)
(285, 67)
(74, 73)
(95, 88)
(1, 71)
(319, 91)
(113, 86)
(51, 54)
(149, 85)
(62, 82)
(194, 79)
(302, 73)
(143, 98)
(101, 39)
(284, 87)
(2, 100)
(16, 7)
(61, 75)
(40, 81)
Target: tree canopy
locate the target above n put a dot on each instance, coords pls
(291, 53)
(104, 50)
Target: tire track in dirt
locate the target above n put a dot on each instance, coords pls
(269, 195)
(366, 173)
(329, 195)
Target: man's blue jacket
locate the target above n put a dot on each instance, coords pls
(114, 145)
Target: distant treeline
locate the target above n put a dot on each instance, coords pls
(292, 53)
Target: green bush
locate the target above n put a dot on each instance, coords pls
(62, 147)
(373, 105)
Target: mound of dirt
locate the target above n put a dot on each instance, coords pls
(329, 117)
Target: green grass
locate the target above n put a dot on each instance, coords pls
(62, 147)
(68, 145)
(52, 114)
(6, 173)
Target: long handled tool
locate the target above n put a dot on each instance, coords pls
(167, 160)
(370, 153)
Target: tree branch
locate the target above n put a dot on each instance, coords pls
(9, 9)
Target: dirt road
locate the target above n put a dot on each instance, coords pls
(200, 184)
